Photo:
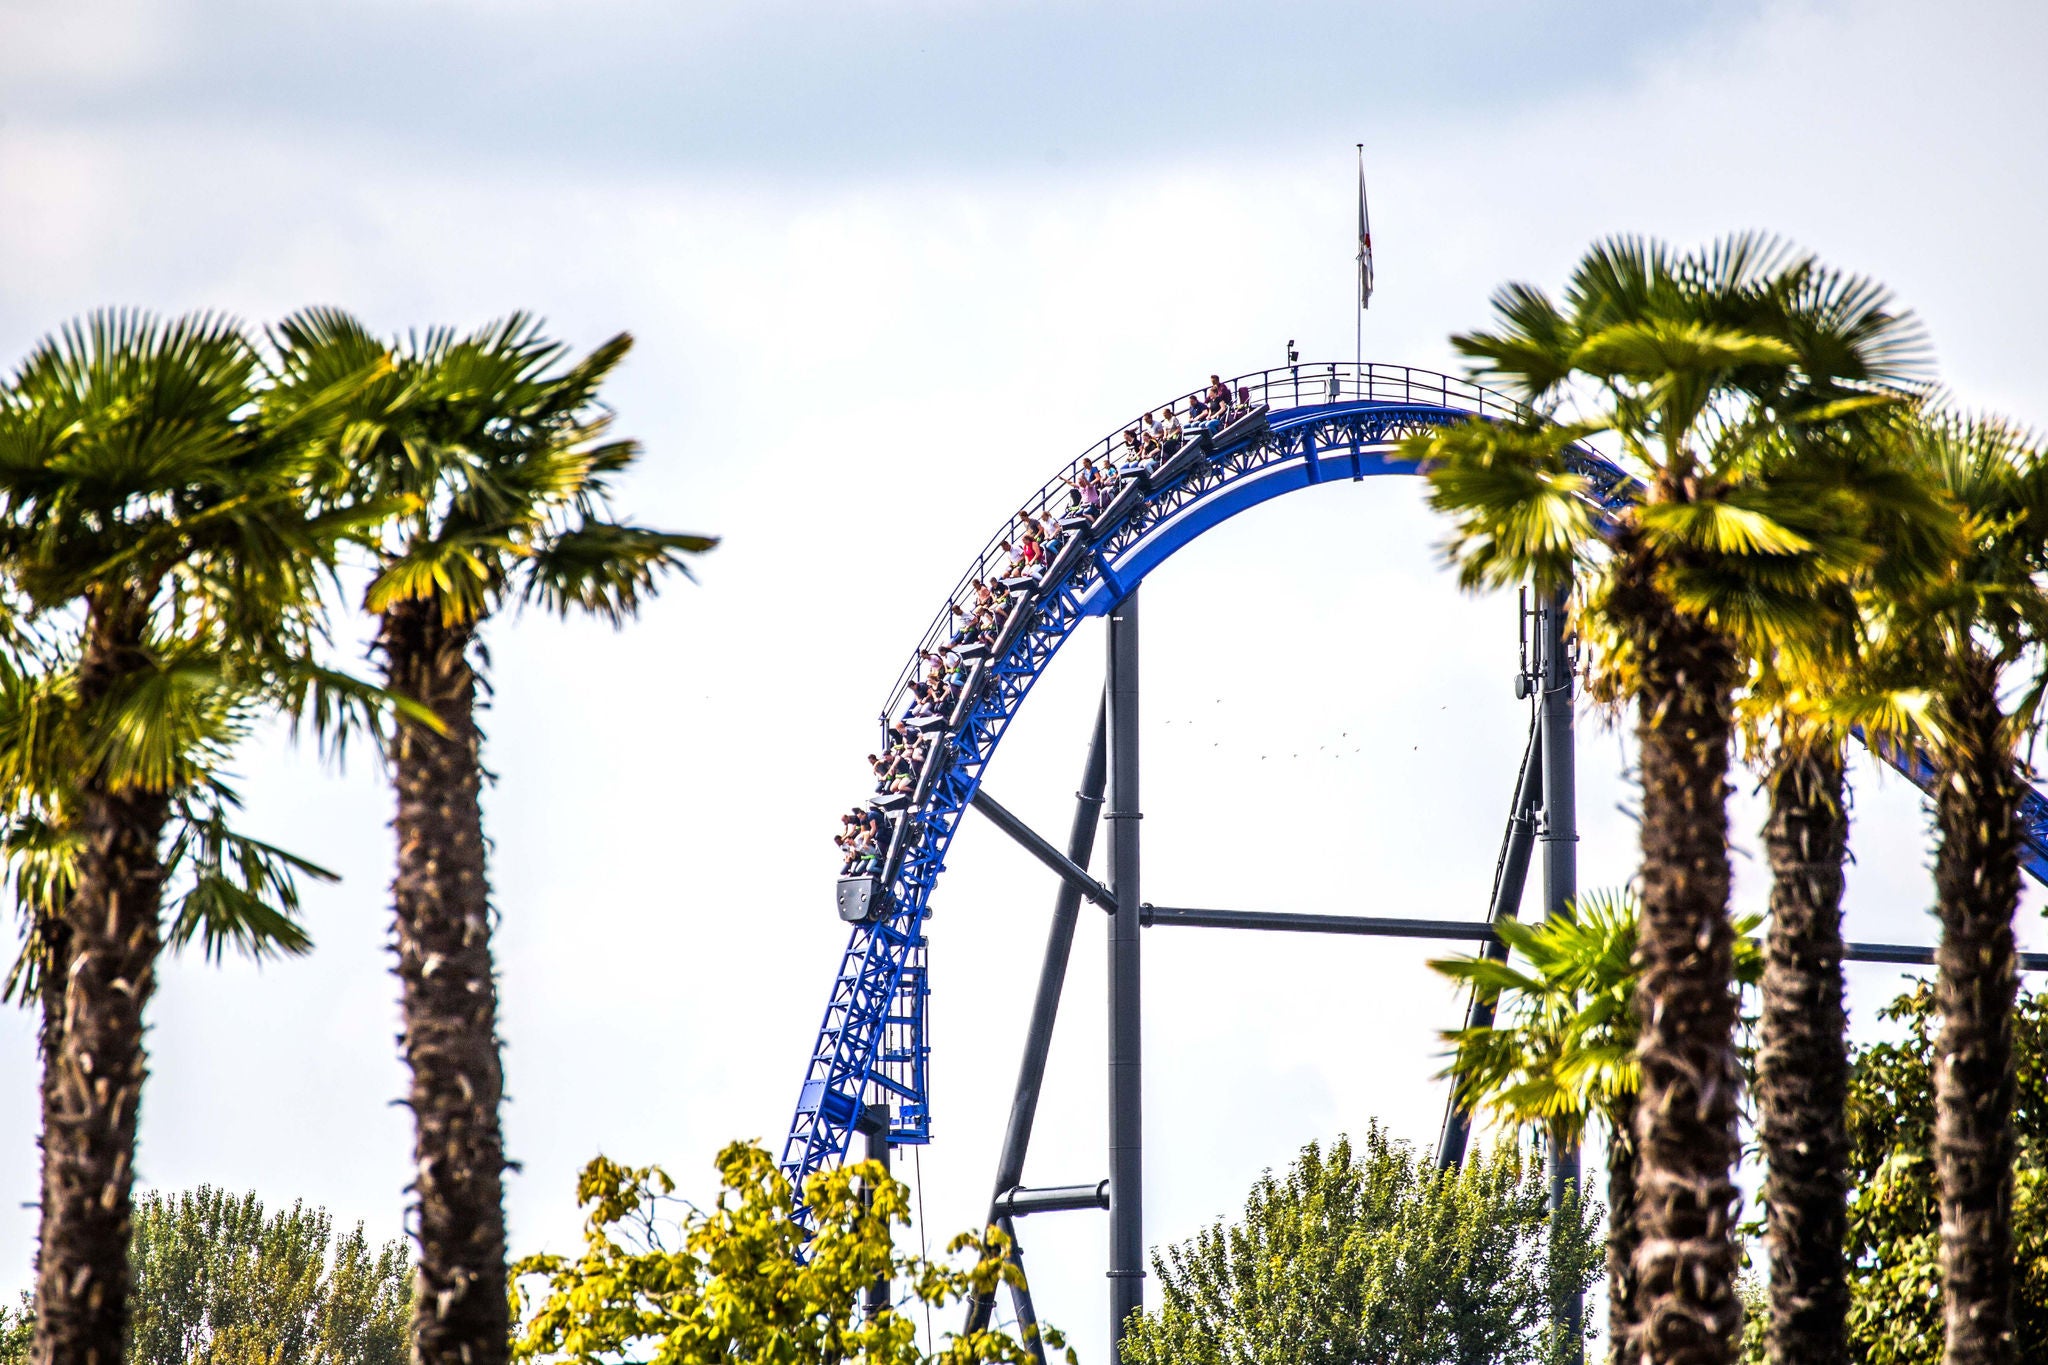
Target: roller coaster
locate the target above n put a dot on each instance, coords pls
(1304, 425)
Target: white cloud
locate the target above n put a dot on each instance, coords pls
(93, 43)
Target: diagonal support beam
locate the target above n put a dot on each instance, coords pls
(1034, 844)
(1045, 1008)
(1510, 876)
(1020, 1299)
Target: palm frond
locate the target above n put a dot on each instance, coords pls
(462, 572)
(1654, 348)
(1518, 509)
(605, 568)
(1560, 1049)
(242, 893)
(1531, 353)
(1720, 526)
(166, 724)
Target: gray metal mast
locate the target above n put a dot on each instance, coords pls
(1126, 1104)
(873, 1127)
(1560, 839)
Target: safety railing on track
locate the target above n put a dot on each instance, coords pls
(1289, 386)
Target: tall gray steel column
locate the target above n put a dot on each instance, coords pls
(1560, 839)
(873, 1126)
(1126, 1104)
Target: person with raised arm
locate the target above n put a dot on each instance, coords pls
(1086, 484)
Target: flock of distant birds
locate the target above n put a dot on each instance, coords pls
(1338, 752)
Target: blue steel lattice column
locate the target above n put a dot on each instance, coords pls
(1126, 1103)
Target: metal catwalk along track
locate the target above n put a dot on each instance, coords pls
(1312, 424)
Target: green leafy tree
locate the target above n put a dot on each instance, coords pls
(1688, 361)
(18, 1332)
(220, 1282)
(1896, 1307)
(1368, 1253)
(217, 1281)
(501, 457)
(1560, 1054)
(154, 522)
(744, 1281)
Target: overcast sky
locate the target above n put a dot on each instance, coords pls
(890, 263)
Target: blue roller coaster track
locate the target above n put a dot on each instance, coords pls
(1312, 424)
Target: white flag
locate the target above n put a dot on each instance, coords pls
(1364, 240)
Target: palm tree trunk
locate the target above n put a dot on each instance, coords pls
(443, 930)
(1803, 1060)
(1623, 1311)
(53, 946)
(113, 935)
(1685, 1001)
(1977, 886)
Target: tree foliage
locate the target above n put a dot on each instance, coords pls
(744, 1281)
(1368, 1253)
(218, 1281)
(18, 1331)
(1895, 1316)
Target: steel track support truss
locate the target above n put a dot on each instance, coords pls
(1541, 816)
(867, 1073)
(872, 1045)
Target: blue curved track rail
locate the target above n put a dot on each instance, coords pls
(1320, 423)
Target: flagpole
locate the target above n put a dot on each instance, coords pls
(1358, 331)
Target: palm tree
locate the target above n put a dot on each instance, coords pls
(502, 458)
(1828, 454)
(1802, 1059)
(1685, 361)
(1947, 652)
(1799, 705)
(1561, 1054)
(157, 525)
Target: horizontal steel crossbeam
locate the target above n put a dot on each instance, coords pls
(1037, 847)
(1017, 1201)
(1477, 931)
(1908, 955)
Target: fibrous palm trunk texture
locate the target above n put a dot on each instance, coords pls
(53, 972)
(1977, 885)
(93, 1080)
(443, 937)
(1622, 1309)
(1803, 1059)
(1685, 1001)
